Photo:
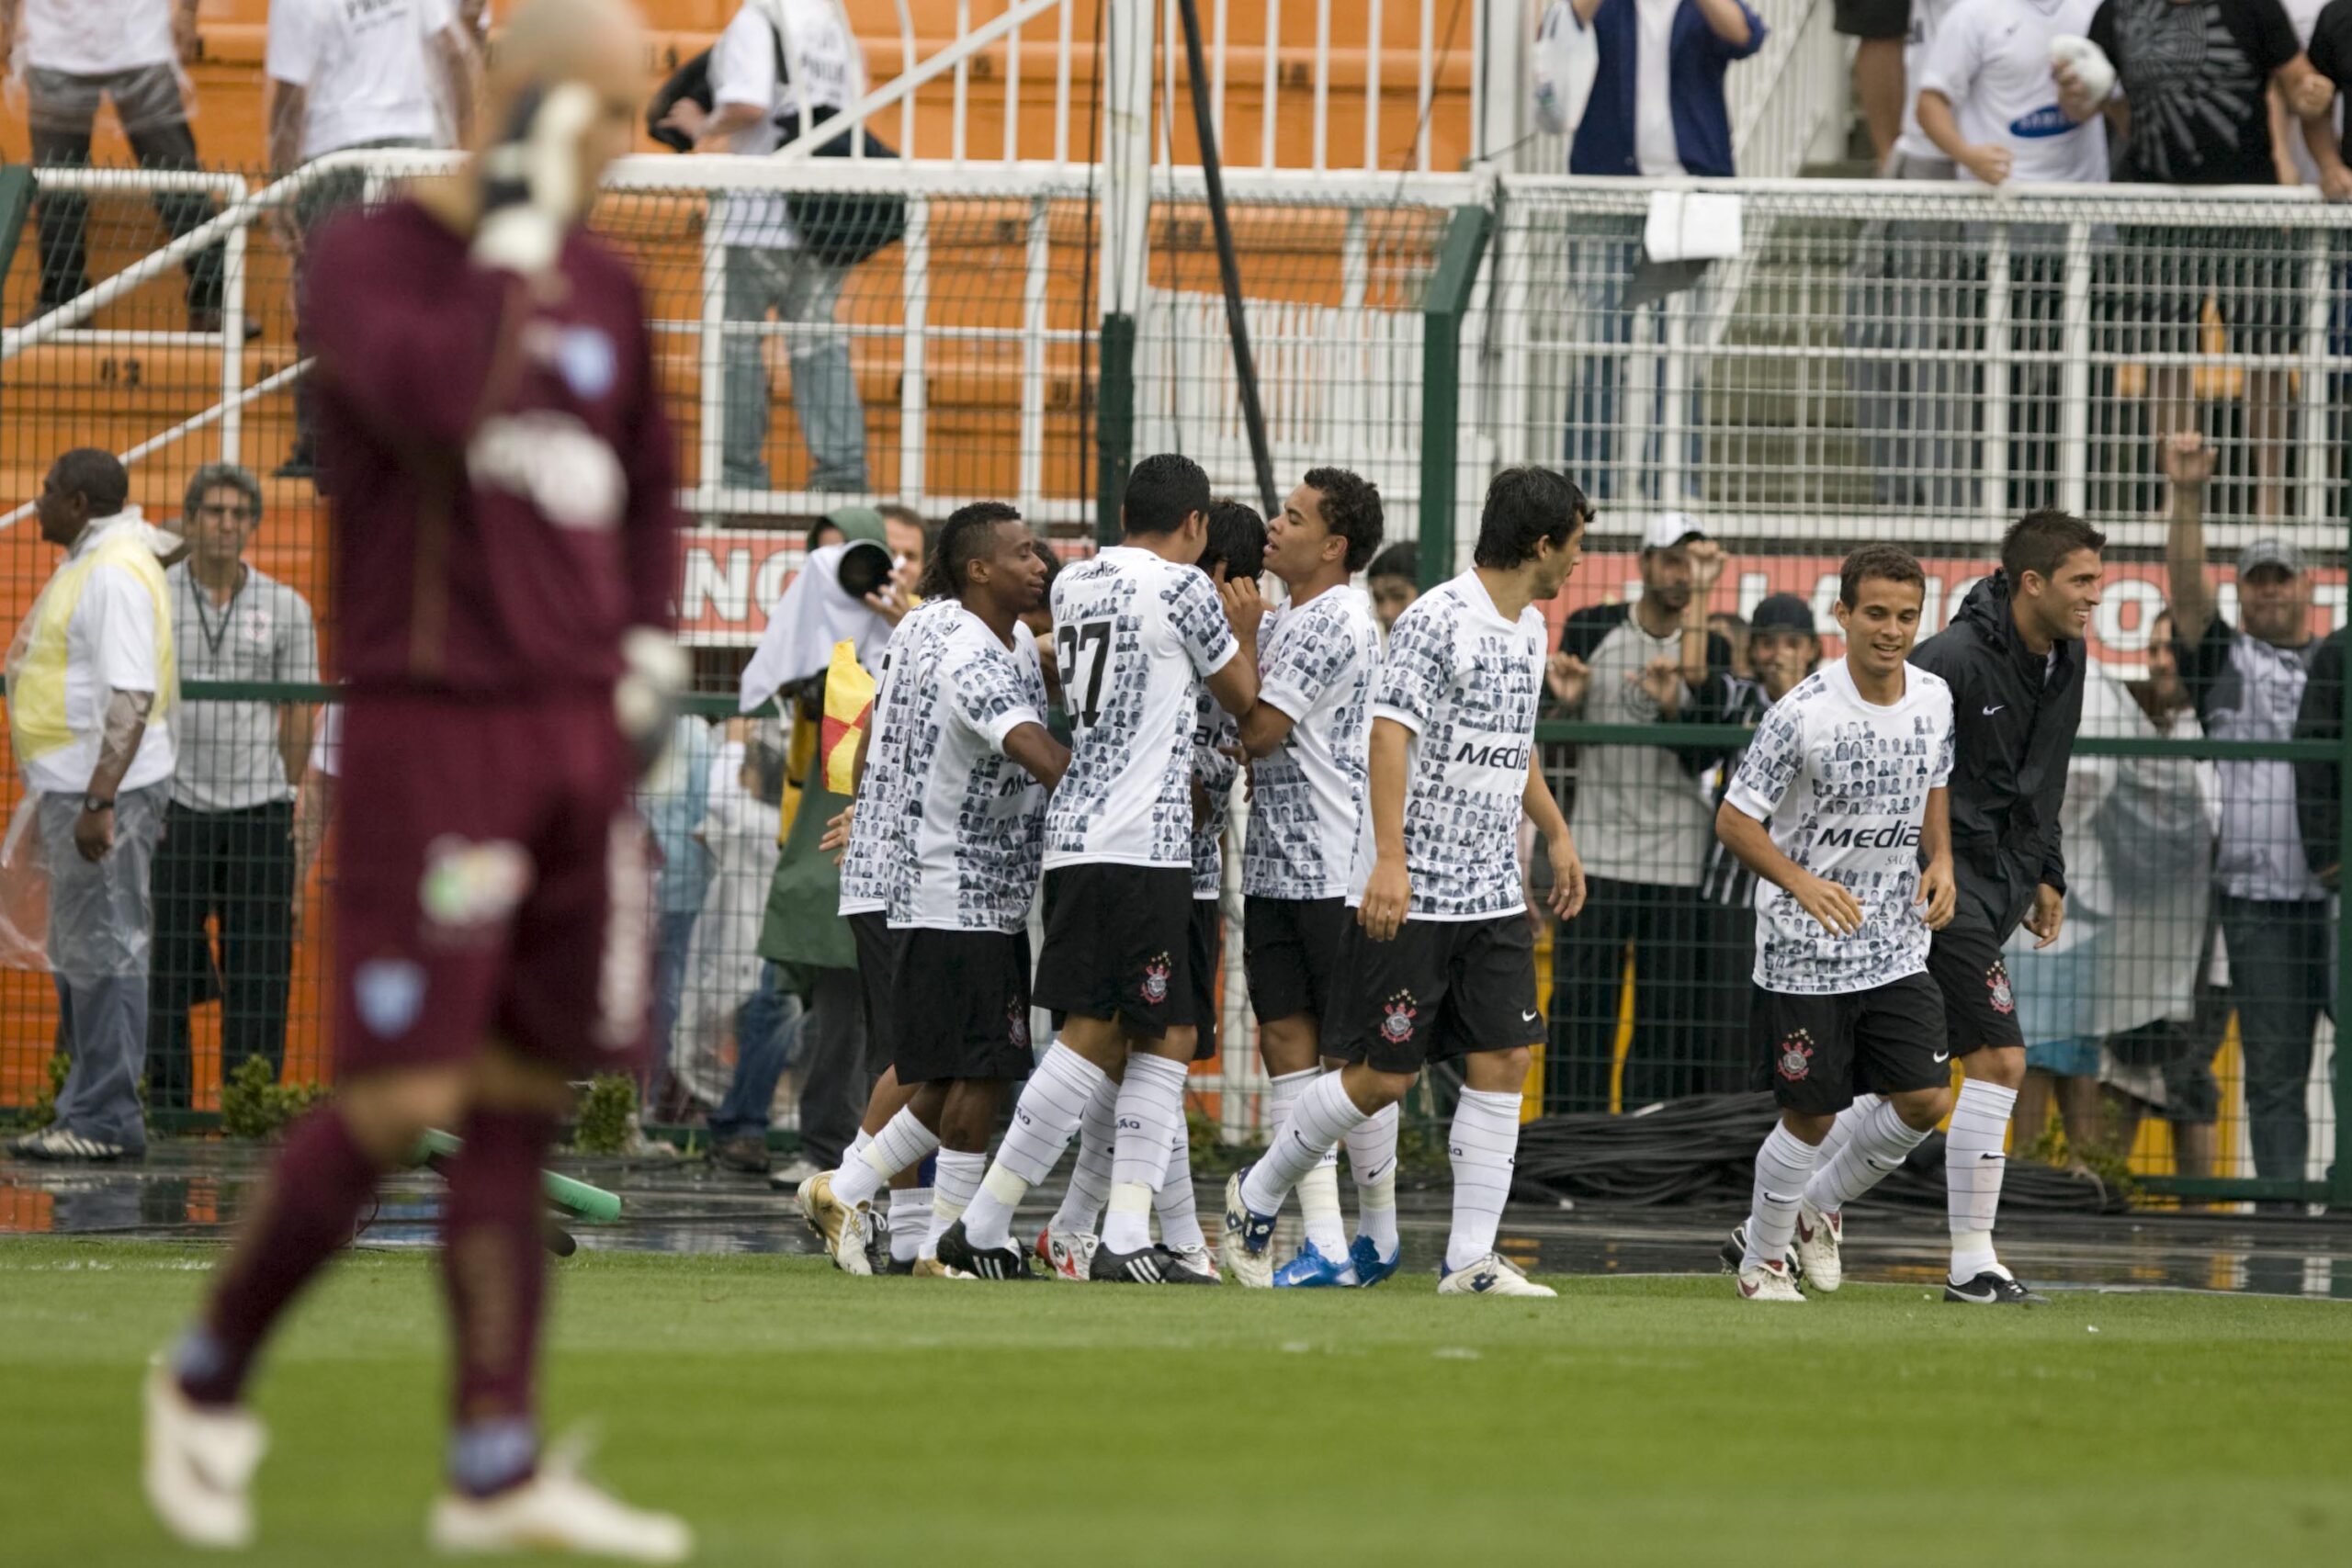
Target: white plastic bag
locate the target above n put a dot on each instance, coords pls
(1567, 58)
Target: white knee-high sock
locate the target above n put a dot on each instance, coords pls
(901, 1143)
(1783, 1167)
(1849, 1121)
(1372, 1158)
(1043, 1119)
(909, 1221)
(857, 1145)
(1150, 1112)
(1180, 1220)
(1282, 1097)
(1973, 1166)
(1318, 1123)
(1089, 1175)
(950, 1192)
(1484, 1146)
(1865, 1157)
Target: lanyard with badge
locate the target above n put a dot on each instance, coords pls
(213, 639)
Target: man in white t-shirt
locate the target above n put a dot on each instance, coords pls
(346, 74)
(780, 60)
(76, 55)
(1839, 808)
(1989, 94)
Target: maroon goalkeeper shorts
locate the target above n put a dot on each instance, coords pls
(493, 882)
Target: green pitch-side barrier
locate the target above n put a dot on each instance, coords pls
(591, 1203)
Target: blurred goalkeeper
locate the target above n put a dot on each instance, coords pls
(505, 556)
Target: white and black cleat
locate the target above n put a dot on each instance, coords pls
(957, 1251)
(1148, 1266)
(1735, 1252)
(1993, 1288)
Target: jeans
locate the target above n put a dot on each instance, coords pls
(147, 101)
(2278, 953)
(767, 1034)
(100, 914)
(235, 870)
(798, 288)
(1671, 1046)
(1600, 269)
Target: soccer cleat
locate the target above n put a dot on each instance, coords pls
(555, 1510)
(1200, 1260)
(1369, 1267)
(899, 1266)
(1146, 1266)
(1310, 1270)
(932, 1269)
(955, 1250)
(1993, 1288)
(821, 1209)
(198, 1464)
(852, 1245)
(1735, 1251)
(1772, 1281)
(1241, 1247)
(1817, 1247)
(1067, 1255)
(1492, 1275)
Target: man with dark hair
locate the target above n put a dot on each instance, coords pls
(1641, 823)
(2250, 682)
(964, 837)
(227, 854)
(1439, 963)
(1133, 628)
(2012, 657)
(1839, 804)
(1395, 580)
(92, 689)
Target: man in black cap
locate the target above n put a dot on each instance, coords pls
(1783, 648)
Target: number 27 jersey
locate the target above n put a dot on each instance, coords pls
(1132, 632)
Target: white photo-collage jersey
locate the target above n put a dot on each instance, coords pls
(1844, 785)
(1466, 683)
(1128, 797)
(1215, 733)
(873, 845)
(975, 816)
(1307, 797)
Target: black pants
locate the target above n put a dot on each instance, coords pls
(1669, 1058)
(234, 869)
(63, 106)
(2279, 956)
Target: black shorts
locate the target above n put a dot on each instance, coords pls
(1437, 991)
(1980, 1008)
(877, 981)
(1207, 955)
(1872, 18)
(1290, 947)
(1820, 1052)
(1119, 944)
(968, 1014)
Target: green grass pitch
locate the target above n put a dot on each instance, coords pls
(795, 1416)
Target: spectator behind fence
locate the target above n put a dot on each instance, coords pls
(1641, 823)
(1395, 580)
(91, 689)
(1784, 648)
(2191, 78)
(1728, 625)
(1880, 29)
(2327, 34)
(2319, 786)
(2115, 995)
(673, 799)
(775, 58)
(74, 54)
(228, 853)
(351, 74)
(2248, 684)
(1657, 107)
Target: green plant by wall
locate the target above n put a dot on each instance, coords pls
(607, 1115)
(254, 1104)
(43, 1108)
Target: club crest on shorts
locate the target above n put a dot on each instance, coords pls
(468, 888)
(1793, 1060)
(1155, 979)
(1397, 1015)
(389, 995)
(1016, 1024)
(1997, 980)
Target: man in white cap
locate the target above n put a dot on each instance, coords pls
(1642, 824)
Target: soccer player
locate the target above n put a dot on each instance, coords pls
(1236, 549)
(1309, 736)
(1439, 963)
(1133, 628)
(2013, 656)
(490, 425)
(1837, 803)
(976, 764)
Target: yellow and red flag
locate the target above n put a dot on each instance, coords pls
(849, 707)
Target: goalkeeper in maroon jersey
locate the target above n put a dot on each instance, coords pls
(500, 473)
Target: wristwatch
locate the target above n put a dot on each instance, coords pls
(93, 804)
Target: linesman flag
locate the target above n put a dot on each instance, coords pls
(849, 707)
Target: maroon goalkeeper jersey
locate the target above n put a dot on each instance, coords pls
(495, 456)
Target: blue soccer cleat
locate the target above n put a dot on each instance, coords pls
(1242, 1247)
(1311, 1271)
(1369, 1267)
